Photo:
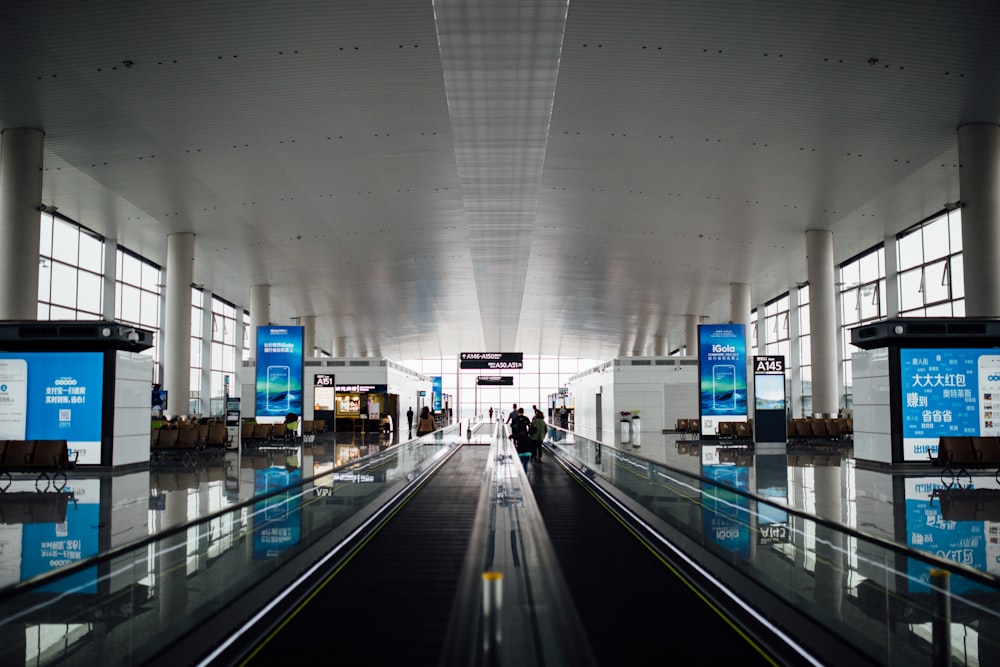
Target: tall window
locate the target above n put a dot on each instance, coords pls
(931, 279)
(70, 270)
(805, 350)
(776, 327)
(223, 352)
(197, 304)
(862, 300)
(137, 297)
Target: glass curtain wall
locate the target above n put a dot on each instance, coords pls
(540, 377)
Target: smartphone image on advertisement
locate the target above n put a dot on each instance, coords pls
(723, 391)
(277, 387)
(989, 394)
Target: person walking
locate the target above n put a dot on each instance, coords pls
(425, 424)
(512, 416)
(491, 413)
(519, 434)
(409, 420)
(537, 433)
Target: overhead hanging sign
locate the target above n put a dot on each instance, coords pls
(492, 360)
(495, 380)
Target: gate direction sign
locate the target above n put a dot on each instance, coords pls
(495, 380)
(492, 360)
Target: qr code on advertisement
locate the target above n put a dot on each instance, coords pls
(65, 415)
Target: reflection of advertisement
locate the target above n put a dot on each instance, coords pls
(277, 519)
(722, 364)
(13, 398)
(64, 396)
(279, 371)
(63, 530)
(725, 513)
(947, 392)
(926, 529)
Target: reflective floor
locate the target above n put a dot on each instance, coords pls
(43, 528)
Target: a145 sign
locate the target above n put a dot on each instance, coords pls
(768, 365)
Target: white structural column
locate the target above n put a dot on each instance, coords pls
(979, 185)
(661, 346)
(20, 226)
(739, 306)
(822, 321)
(691, 323)
(260, 313)
(308, 335)
(175, 353)
(339, 346)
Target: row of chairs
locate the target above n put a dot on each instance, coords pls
(49, 458)
(195, 436)
(959, 453)
(252, 431)
(814, 427)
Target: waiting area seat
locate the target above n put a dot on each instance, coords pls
(48, 459)
(957, 455)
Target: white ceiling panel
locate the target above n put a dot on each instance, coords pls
(548, 177)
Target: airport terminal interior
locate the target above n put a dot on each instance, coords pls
(274, 275)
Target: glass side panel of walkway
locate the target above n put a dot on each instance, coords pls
(130, 604)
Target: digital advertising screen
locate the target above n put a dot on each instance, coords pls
(436, 392)
(53, 396)
(277, 519)
(953, 392)
(722, 369)
(279, 371)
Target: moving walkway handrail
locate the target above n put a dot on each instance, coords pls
(512, 607)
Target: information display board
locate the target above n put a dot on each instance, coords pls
(722, 369)
(279, 371)
(947, 391)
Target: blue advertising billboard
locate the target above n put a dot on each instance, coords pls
(436, 393)
(279, 371)
(722, 369)
(53, 396)
(947, 392)
(277, 519)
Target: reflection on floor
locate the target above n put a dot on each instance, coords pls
(41, 528)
